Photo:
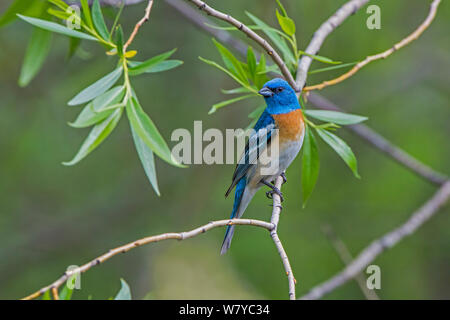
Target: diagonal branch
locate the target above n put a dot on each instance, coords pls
(322, 33)
(252, 35)
(384, 145)
(383, 55)
(148, 9)
(272, 227)
(417, 219)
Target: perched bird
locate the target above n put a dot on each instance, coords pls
(283, 112)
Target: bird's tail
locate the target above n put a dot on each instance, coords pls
(240, 188)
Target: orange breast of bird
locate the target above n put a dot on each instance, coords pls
(291, 125)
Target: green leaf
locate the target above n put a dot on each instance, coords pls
(119, 40)
(251, 62)
(22, 7)
(320, 58)
(218, 66)
(286, 24)
(55, 27)
(97, 88)
(344, 65)
(236, 90)
(341, 148)
(98, 133)
(59, 3)
(227, 102)
(66, 293)
(159, 67)
(89, 117)
(143, 67)
(124, 293)
(87, 13)
(111, 97)
(275, 38)
(147, 160)
(282, 8)
(148, 132)
(310, 165)
(231, 62)
(99, 21)
(37, 52)
(335, 117)
(59, 14)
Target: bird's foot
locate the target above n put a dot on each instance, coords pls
(269, 194)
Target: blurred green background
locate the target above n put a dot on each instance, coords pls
(53, 216)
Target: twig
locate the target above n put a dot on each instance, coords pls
(382, 144)
(55, 294)
(383, 55)
(182, 236)
(346, 258)
(253, 35)
(139, 24)
(378, 246)
(276, 211)
(320, 35)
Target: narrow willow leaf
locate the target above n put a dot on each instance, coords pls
(66, 293)
(310, 165)
(119, 40)
(143, 67)
(286, 24)
(344, 65)
(160, 67)
(55, 27)
(59, 14)
(87, 13)
(282, 8)
(124, 293)
(271, 68)
(275, 38)
(60, 4)
(341, 148)
(320, 58)
(218, 66)
(236, 90)
(97, 88)
(110, 97)
(148, 132)
(335, 117)
(147, 160)
(251, 63)
(37, 52)
(219, 105)
(231, 62)
(89, 117)
(99, 21)
(97, 135)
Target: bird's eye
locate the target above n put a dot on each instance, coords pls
(279, 89)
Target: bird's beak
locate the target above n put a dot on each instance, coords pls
(266, 92)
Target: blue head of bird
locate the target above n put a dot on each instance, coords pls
(279, 96)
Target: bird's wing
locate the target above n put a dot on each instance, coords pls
(256, 144)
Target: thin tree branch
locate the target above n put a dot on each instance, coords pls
(382, 144)
(139, 24)
(322, 33)
(346, 258)
(276, 211)
(252, 35)
(272, 227)
(417, 219)
(383, 55)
